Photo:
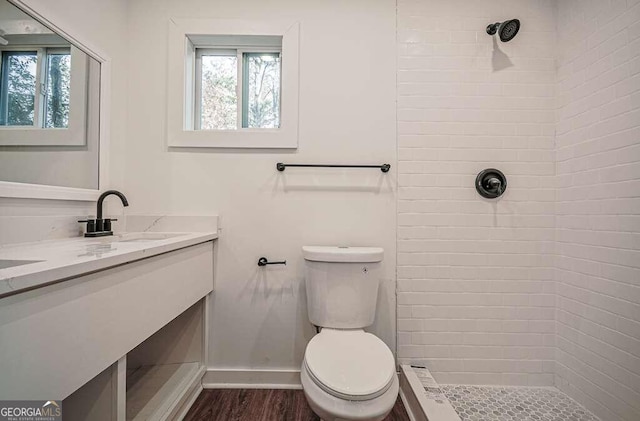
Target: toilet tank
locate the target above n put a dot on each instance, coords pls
(342, 285)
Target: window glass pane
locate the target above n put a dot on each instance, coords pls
(218, 109)
(261, 107)
(18, 88)
(58, 89)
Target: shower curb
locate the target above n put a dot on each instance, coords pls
(422, 396)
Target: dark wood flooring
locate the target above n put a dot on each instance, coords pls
(262, 405)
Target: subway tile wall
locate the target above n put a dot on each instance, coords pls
(598, 205)
(541, 287)
(476, 291)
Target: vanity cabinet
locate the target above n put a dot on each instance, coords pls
(123, 343)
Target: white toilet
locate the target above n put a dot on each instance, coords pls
(347, 373)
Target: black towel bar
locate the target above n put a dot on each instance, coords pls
(281, 166)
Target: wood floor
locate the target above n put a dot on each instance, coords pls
(262, 405)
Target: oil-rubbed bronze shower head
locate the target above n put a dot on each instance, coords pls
(506, 30)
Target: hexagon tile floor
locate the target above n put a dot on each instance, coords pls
(487, 403)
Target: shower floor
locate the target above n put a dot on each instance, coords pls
(496, 403)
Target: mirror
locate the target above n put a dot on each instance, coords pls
(49, 105)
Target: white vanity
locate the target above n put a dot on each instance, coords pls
(115, 327)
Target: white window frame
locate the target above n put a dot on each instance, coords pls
(181, 131)
(73, 135)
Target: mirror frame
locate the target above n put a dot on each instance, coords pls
(43, 191)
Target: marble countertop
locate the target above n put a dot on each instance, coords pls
(58, 260)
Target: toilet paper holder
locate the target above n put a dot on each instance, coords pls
(263, 261)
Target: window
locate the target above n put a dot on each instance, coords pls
(237, 88)
(261, 90)
(58, 86)
(35, 87)
(233, 83)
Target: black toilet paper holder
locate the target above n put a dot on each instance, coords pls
(263, 261)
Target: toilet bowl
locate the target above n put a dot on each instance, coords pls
(349, 375)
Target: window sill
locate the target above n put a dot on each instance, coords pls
(245, 138)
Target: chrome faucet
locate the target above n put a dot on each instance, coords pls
(102, 227)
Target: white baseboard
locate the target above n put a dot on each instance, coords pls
(251, 379)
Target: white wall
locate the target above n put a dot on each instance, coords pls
(476, 293)
(102, 24)
(347, 114)
(598, 206)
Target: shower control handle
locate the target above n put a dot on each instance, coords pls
(491, 183)
(494, 184)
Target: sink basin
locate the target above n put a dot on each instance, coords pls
(4, 264)
(144, 237)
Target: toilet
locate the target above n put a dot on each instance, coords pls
(347, 373)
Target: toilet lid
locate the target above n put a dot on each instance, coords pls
(350, 364)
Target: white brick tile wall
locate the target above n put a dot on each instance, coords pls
(598, 205)
(475, 277)
(543, 286)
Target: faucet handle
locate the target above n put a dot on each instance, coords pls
(106, 223)
(91, 224)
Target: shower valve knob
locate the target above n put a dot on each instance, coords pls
(491, 183)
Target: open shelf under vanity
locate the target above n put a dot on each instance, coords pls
(157, 380)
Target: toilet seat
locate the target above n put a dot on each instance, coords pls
(350, 364)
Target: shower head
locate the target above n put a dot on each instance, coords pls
(506, 30)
